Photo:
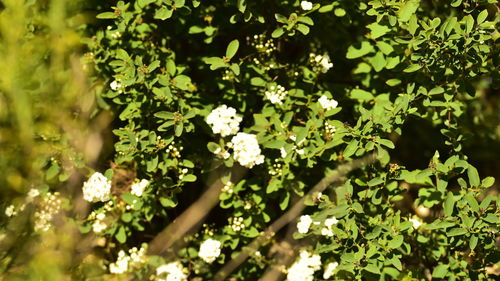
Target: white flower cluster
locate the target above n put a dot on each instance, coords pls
(99, 225)
(306, 5)
(329, 269)
(236, 224)
(327, 103)
(303, 269)
(138, 188)
(276, 94)
(304, 223)
(116, 86)
(277, 169)
(48, 208)
(97, 188)
(124, 262)
(10, 211)
(330, 129)
(33, 193)
(320, 63)
(222, 153)
(246, 150)
(327, 229)
(173, 271)
(224, 120)
(209, 250)
(173, 150)
(228, 187)
(263, 46)
(416, 223)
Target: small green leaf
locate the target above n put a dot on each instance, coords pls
(106, 15)
(396, 242)
(126, 217)
(408, 9)
(361, 95)
(482, 17)
(449, 203)
(121, 235)
(473, 242)
(487, 182)
(435, 91)
(351, 148)
(365, 48)
(456, 231)
(440, 271)
(232, 48)
(278, 32)
(412, 68)
(304, 29)
(473, 176)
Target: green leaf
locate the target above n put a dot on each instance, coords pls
(232, 48)
(351, 148)
(106, 15)
(189, 178)
(215, 62)
(378, 30)
(473, 176)
(126, 217)
(278, 32)
(473, 242)
(472, 202)
(361, 95)
(456, 231)
(396, 242)
(121, 235)
(440, 271)
(449, 203)
(482, 17)
(163, 13)
(408, 9)
(435, 91)
(365, 48)
(487, 182)
(469, 23)
(304, 29)
(386, 143)
(373, 268)
(52, 171)
(376, 181)
(412, 68)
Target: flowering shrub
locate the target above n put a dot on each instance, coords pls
(298, 140)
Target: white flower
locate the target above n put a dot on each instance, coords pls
(416, 223)
(327, 229)
(325, 63)
(306, 5)
(116, 86)
(121, 264)
(331, 221)
(98, 226)
(224, 120)
(222, 153)
(209, 250)
(276, 94)
(304, 223)
(329, 269)
(46, 211)
(246, 150)
(138, 187)
(33, 193)
(174, 272)
(283, 152)
(10, 211)
(303, 269)
(327, 103)
(320, 63)
(97, 188)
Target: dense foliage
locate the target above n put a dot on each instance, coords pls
(321, 140)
